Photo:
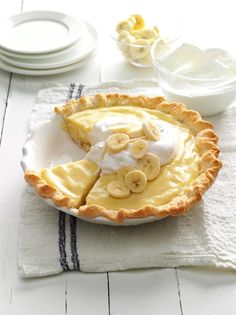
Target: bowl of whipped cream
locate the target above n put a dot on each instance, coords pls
(202, 78)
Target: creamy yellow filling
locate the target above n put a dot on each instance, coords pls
(173, 177)
(73, 179)
(80, 124)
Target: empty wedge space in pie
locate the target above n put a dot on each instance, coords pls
(145, 157)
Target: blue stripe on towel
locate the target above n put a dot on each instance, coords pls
(62, 216)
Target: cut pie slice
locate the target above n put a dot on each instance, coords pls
(67, 185)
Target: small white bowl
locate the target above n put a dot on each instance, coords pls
(139, 55)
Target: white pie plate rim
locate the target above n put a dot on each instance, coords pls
(38, 153)
(72, 24)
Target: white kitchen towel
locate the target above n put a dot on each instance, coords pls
(51, 241)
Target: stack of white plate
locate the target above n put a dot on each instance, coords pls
(45, 42)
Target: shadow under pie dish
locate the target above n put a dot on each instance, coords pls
(145, 157)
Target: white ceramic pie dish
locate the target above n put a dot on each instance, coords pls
(40, 151)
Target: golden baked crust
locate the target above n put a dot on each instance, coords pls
(107, 100)
(47, 191)
(206, 141)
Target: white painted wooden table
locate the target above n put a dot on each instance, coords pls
(187, 291)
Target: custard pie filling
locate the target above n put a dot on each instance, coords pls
(92, 126)
(176, 149)
(174, 176)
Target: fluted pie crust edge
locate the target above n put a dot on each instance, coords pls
(206, 140)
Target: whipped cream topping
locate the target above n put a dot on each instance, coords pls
(165, 148)
(112, 163)
(103, 128)
(96, 153)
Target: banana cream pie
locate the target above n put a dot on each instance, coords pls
(145, 157)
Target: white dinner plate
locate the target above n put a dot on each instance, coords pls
(35, 72)
(37, 32)
(35, 56)
(75, 53)
(40, 151)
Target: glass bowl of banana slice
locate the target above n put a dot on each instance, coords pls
(134, 39)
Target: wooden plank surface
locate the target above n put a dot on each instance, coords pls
(4, 92)
(7, 8)
(87, 293)
(141, 292)
(207, 291)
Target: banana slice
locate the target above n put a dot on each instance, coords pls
(139, 148)
(123, 170)
(135, 131)
(117, 189)
(150, 165)
(121, 129)
(136, 181)
(117, 142)
(149, 34)
(145, 61)
(139, 21)
(123, 36)
(151, 130)
(156, 29)
(137, 138)
(124, 41)
(139, 48)
(124, 25)
(132, 20)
